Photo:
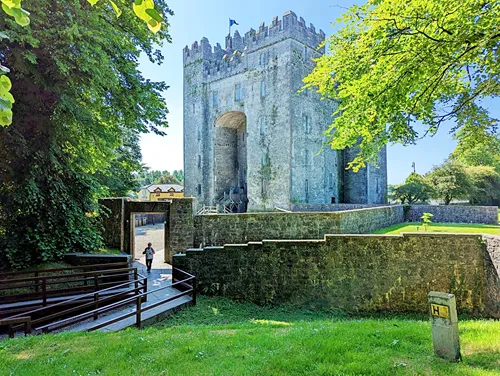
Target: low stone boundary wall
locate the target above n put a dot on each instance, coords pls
(454, 213)
(331, 207)
(219, 229)
(355, 272)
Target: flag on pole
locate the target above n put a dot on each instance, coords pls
(232, 22)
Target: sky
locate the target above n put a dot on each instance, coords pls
(194, 19)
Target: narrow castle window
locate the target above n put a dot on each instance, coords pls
(199, 161)
(263, 89)
(194, 108)
(262, 126)
(215, 99)
(330, 180)
(262, 59)
(199, 189)
(199, 134)
(307, 158)
(307, 124)
(237, 93)
(306, 188)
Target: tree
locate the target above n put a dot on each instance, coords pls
(484, 151)
(179, 175)
(415, 189)
(144, 9)
(449, 181)
(485, 183)
(80, 104)
(401, 68)
(168, 179)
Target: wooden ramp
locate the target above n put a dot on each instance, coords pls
(139, 301)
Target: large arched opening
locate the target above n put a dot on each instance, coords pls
(230, 162)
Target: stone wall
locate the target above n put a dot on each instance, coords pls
(113, 212)
(492, 271)
(179, 228)
(219, 229)
(331, 207)
(354, 272)
(118, 224)
(454, 213)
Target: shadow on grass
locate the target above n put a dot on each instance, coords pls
(218, 310)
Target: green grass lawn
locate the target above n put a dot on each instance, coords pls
(441, 227)
(219, 337)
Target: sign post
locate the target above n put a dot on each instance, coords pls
(444, 323)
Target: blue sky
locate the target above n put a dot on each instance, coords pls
(195, 19)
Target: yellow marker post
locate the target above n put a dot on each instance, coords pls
(444, 323)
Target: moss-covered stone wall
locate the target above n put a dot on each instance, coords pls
(220, 229)
(354, 272)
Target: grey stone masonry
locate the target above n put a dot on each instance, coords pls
(252, 136)
(454, 214)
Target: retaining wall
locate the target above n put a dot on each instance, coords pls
(355, 272)
(454, 213)
(219, 229)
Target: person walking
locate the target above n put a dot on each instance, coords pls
(149, 252)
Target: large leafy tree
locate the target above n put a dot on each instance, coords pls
(450, 181)
(415, 189)
(400, 68)
(485, 183)
(80, 104)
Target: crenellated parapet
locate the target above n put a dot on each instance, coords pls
(290, 26)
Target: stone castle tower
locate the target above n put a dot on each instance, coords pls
(251, 141)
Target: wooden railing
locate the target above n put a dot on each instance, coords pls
(100, 305)
(38, 290)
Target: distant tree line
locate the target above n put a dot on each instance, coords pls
(147, 177)
(472, 174)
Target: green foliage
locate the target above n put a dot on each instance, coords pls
(144, 9)
(426, 220)
(415, 189)
(168, 179)
(449, 181)
(485, 181)
(148, 177)
(402, 68)
(81, 104)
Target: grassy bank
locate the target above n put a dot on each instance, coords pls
(441, 227)
(219, 337)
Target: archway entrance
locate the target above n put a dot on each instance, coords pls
(149, 228)
(230, 162)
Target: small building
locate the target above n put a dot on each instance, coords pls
(161, 192)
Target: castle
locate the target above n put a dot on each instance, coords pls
(251, 140)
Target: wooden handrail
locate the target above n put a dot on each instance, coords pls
(95, 266)
(64, 302)
(43, 292)
(60, 324)
(97, 302)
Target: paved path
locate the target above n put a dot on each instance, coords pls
(151, 234)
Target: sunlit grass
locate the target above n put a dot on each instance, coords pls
(441, 227)
(220, 337)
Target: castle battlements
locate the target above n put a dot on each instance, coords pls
(290, 26)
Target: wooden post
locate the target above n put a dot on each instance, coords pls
(96, 300)
(44, 292)
(37, 282)
(194, 291)
(138, 311)
(27, 327)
